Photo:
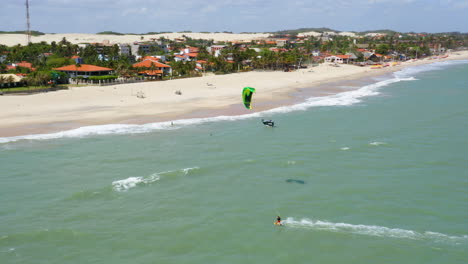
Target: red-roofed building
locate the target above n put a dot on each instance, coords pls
(84, 70)
(338, 58)
(200, 64)
(151, 73)
(23, 64)
(190, 50)
(152, 67)
(179, 57)
(192, 55)
(149, 58)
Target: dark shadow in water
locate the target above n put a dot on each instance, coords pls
(295, 181)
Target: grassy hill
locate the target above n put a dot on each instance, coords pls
(33, 32)
(300, 30)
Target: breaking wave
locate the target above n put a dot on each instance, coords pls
(131, 182)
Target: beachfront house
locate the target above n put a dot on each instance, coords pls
(152, 68)
(338, 59)
(84, 70)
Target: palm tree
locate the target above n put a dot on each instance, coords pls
(10, 80)
(2, 80)
(78, 65)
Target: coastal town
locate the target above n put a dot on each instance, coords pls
(42, 65)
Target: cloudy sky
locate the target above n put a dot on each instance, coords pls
(141, 16)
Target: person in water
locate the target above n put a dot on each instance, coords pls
(278, 220)
(268, 122)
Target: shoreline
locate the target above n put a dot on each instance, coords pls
(202, 97)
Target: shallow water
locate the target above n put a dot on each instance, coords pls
(373, 175)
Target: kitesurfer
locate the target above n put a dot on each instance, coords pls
(278, 220)
(268, 123)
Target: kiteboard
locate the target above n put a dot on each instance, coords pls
(277, 224)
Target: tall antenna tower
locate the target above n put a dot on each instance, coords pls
(28, 22)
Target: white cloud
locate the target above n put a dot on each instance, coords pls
(461, 4)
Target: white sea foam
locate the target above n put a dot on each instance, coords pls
(131, 182)
(187, 170)
(372, 230)
(411, 71)
(376, 143)
(341, 99)
(345, 148)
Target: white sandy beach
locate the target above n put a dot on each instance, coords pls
(208, 96)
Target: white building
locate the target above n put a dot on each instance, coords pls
(215, 50)
(125, 49)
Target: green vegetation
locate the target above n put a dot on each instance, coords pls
(110, 33)
(156, 33)
(380, 31)
(103, 77)
(256, 55)
(301, 30)
(33, 32)
(29, 88)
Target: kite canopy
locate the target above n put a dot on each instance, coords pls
(247, 96)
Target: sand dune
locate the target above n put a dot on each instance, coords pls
(77, 38)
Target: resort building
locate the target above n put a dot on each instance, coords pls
(153, 68)
(338, 58)
(85, 70)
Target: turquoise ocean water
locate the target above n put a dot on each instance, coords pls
(376, 174)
